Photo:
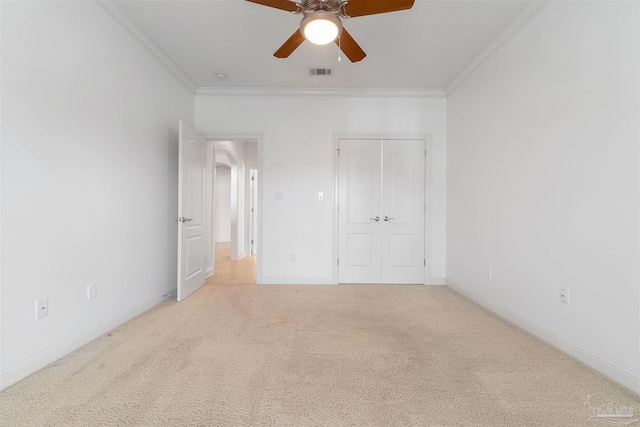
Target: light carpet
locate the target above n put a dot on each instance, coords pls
(258, 355)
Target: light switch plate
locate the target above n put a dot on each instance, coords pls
(92, 291)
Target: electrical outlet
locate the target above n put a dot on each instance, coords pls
(320, 195)
(292, 258)
(564, 296)
(487, 273)
(92, 291)
(42, 308)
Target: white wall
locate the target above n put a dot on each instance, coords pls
(543, 182)
(251, 154)
(297, 141)
(89, 179)
(222, 212)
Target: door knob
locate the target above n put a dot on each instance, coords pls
(376, 219)
(386, 218)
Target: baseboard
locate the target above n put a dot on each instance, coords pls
(621, 374)
(296, 280)
(312, 280)
(168, 294)
(33, 363)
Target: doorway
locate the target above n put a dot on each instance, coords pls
(232, 227)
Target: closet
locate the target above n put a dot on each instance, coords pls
(381, 206)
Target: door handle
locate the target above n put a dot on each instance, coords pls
(386, 218)
(183, 219)
(376, 219)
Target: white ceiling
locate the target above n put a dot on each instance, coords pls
(425, 47)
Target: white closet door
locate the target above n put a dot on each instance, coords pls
(381, 211)
(402, 223)
(359, 205)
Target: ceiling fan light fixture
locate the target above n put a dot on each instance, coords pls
(321, 27)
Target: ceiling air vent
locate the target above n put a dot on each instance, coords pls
(321, 71)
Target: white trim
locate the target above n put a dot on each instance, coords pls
(624, 375)
(120, 16)
(297, 280)
(336, 214)
(242, 137)
(349, 92)
(511, 30)
(429, 166)
(427, 137)
(36, 361)
(435, 281)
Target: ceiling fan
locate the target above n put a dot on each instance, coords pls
(321, 23)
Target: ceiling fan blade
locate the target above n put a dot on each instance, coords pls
(370, 7)
(349, 46)
(290, 45)
(278, 4)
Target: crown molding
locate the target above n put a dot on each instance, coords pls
(346, 92)
(508, 32)
(122, 18)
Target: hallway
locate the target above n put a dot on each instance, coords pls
(227, 272)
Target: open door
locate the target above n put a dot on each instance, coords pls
(191, 241)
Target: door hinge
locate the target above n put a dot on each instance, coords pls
(425, 262)
(252, 178)
(338, 261)
(338, 150)
(425, 154)
(251, 210)
(425, 208)
(252, 242)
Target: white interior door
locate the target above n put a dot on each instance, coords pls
(402, 214)
(359, 210)
(191, 198)
(381, 211)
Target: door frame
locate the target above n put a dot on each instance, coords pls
(253, 211)
(428, 174)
